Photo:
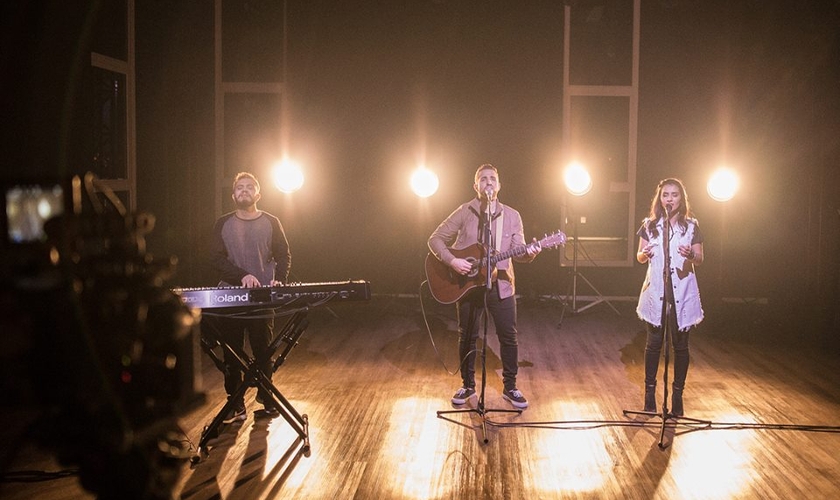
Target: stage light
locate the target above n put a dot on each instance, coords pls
(424, 182)
(577, 179)
(287, 175)
(723, 184)
(578, 183)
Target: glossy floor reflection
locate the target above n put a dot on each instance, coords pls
(372, 380)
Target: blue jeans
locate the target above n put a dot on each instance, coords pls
(470, 325)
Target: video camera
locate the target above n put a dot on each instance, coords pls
(95, 344)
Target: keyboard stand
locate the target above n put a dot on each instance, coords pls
(254, 377)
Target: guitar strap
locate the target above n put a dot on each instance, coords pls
(499, 217)
(496, 234)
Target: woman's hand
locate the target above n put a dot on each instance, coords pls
(646, 251)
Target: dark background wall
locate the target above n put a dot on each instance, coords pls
(373, 86)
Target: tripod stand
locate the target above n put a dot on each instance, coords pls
(480, 409)
(668, 321)
(577, 274)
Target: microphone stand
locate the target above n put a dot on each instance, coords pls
(667, 334)
(488, 287)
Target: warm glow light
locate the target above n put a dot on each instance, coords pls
(723, 184)
(418, 447)
(568, 463)
(287, 175)
(723, 455)
(280, 437)
(424, 182)
(577, 179)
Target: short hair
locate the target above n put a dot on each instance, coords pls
(485, 166)
(249, 175)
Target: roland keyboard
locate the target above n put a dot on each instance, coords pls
(274, 296)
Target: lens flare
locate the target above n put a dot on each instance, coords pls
(577, 179)
(723, 184)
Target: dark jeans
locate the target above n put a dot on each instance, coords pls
(653, 350)
(470, 325)
(260, 332)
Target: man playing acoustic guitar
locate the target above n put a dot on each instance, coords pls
(464, 228)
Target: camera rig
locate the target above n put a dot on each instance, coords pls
(103, 353)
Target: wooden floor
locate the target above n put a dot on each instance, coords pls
(372, 380)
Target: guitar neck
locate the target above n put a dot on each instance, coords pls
(513, 252)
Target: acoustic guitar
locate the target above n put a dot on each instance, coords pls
(447, 286)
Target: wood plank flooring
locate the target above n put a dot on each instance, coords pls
(372, 380)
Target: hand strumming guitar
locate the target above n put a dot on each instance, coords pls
(461, 266)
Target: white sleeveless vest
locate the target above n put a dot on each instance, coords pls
(686, 291)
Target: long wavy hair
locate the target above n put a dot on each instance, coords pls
(657, 211)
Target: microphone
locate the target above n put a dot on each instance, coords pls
(488, 192)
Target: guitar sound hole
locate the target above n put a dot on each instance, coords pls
(474, 270)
